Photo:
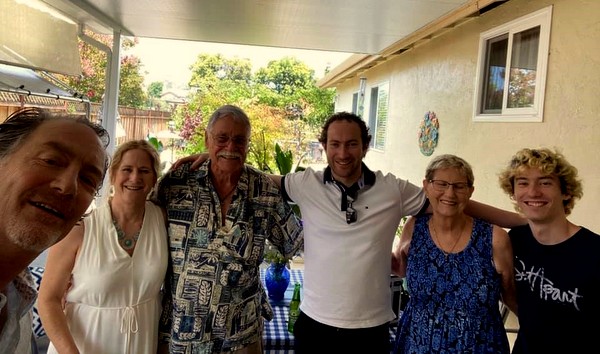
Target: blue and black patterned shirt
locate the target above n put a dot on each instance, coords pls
(213, 295)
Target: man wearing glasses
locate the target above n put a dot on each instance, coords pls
(219, 217)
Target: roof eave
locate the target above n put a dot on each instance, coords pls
(356, 64)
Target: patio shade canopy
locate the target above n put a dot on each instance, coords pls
(26, 81)
(37, 36)
(373, 31)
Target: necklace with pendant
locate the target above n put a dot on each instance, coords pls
(127, 242)
(435, 235)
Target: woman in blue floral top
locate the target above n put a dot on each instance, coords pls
(457, 269)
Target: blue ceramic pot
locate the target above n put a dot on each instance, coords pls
(277, 279)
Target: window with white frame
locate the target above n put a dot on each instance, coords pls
(355, 103)
(511, 75)
(378, 115)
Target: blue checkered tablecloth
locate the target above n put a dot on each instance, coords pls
(276, 338)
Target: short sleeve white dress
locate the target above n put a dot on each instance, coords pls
(113, 305)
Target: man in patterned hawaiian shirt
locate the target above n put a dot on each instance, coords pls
(219, 217)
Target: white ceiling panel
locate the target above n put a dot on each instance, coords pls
(352, 26)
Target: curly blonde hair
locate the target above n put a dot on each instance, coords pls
(548, 162)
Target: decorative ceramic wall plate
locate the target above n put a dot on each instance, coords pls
(428, 133)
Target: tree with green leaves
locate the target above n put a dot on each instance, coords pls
(154, 93)
(215, 81)
(131, 92)
(286, 76)
(189, 119)
(155, 89)
(93, 64)
(282, 100)
(211, 70)
(294, 90)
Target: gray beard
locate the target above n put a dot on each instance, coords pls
(31, 239)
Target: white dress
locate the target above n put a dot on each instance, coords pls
(113, 305)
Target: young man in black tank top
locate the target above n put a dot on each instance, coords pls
(557, 263)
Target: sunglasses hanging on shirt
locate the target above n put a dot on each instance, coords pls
(351, 214)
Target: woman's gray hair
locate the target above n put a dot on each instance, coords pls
(450, 161)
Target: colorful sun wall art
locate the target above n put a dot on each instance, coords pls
(428, 133)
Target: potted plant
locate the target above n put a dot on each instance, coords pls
(277, 275)
(284, 160)
(273, 256)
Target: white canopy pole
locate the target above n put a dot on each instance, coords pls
(110, 104)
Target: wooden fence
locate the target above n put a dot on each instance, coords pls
(137, 123)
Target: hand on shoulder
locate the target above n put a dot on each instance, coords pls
(195, 159)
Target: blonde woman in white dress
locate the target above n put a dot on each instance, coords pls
(100, 292)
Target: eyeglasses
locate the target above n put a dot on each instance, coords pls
(223, 140)
(351, 215)
(441, 186)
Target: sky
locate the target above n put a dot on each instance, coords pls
(170, 60)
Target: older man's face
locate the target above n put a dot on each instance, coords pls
(227, 144)
(48, 183)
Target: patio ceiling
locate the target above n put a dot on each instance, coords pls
(354, 26)
(373, 30)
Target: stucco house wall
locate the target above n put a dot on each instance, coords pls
(440, 76)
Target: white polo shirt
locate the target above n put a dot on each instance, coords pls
(347, 266)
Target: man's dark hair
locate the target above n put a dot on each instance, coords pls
(352, 118)
(20, 124)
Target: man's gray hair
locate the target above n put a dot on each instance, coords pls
(232, 111)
